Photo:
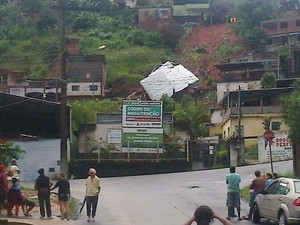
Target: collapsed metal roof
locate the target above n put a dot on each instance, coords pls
(22, 115)
(166, 80)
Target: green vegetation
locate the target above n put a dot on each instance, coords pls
(252, 152)
(10, 151)
(268, 80)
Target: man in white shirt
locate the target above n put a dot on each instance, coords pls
(93, 187)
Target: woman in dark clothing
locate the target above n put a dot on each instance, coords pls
(63, 195)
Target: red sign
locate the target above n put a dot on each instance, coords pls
(268, 135)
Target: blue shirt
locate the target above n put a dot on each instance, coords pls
(233, 182)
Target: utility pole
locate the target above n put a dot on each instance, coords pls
(64, 125)
(241, 153)
(63, 104)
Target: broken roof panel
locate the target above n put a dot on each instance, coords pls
(165, 80)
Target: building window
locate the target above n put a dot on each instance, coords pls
(283, 25)
(275, 125)
(93, 87)
(298, 23)
(269, 26)
(3, 80)
(75, 87)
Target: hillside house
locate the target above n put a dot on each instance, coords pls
(240, 121)
(285, 32)
(159, 13)
(86, 76)
(190, 10)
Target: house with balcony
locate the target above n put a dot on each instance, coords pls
(86, 77)
(240, 122)
(285, 32)
(190, 10)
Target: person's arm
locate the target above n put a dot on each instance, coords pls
(221, 218)
(55, 186)
(190, 221)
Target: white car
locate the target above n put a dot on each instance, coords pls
(279, 202)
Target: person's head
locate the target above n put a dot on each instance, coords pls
(92, 172)
(257, 173)
(275, 175)
(203, 215)
(14, 180)
(61, 174)
(41, 171)
(14, 162)
(269, 176)
(232, 169)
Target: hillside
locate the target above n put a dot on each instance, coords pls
(209, 37)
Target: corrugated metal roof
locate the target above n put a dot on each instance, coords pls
(168, 78)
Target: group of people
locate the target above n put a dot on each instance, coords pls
(11, 195)
(10, 192)
(259, 183)
(203, 215)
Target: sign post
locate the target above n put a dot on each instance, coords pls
(268, 136)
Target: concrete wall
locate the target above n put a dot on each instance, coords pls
(43, 153)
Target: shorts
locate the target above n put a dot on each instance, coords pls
(63, 197)
(233, 199)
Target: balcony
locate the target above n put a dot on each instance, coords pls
(251, 110)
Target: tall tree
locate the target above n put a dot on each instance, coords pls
(291, 113)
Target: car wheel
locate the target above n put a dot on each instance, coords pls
(282, 219)
(256, 214)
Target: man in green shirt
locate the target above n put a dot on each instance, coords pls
(233, 180)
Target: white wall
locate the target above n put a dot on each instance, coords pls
(234, 86)
(43, 153)
(281, 148)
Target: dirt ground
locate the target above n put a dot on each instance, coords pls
(209, 37)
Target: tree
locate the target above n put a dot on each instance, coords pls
(10, 151)
(249, 14)
(291, 115)
(268, 80)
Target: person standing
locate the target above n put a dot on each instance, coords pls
(93, 187)
(233, 180)
(15, 169)
(257, 184)
(42, 185)
(63, 195)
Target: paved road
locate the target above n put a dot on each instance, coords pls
(166, 199)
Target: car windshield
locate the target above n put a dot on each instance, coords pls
(297, 186)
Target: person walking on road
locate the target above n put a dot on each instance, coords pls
(93, 187)
(63, 195)
(233, 180)
(42, 185)
(204, 215)
(256, 186)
